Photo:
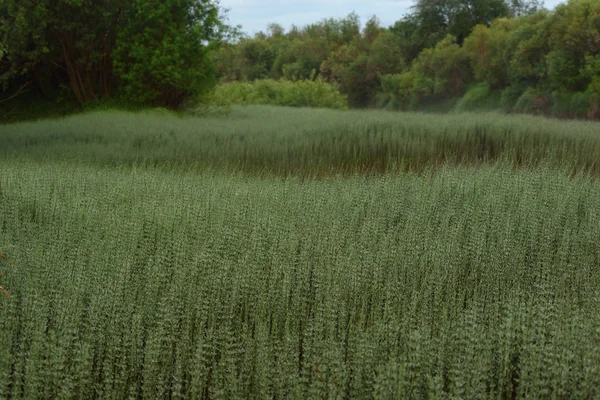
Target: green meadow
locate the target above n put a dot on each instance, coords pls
(299, 253)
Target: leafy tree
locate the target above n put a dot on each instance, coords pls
(372, 29)
(486, 49)
(431, 20)
(161, 56)
(386, 55)
(437, 18)
(401, 91)
(447, 65)
(528, 45)
(574, 38)
(408, 38)
(257, 57)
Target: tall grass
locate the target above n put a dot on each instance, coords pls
(157, 256)
(465, 284)
(315, 142)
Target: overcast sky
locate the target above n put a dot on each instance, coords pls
(255, 15)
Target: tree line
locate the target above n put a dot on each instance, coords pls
(525, 57)
(171, 52)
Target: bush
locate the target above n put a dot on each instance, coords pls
(570, 105)
(533, 101)
(305, 93)
(400, 91)
(510, 96)
(475, 98)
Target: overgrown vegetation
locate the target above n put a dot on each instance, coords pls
(537, 61)
(144, 266)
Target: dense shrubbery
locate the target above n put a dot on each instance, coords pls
(304, 93)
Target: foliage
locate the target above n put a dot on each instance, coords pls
(438, 72)
(475, 97)
(437, 51)
(72, 43)
(160, 54)
(486, 49)
(438, 18)
(66, 43)
(533, 101)
(397, 92)
(446, 67)
(570, 104)
(305, 93)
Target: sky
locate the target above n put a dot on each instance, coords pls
(255, 15)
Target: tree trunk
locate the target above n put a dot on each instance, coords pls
(72, 73)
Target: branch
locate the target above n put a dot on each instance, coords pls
(57, 65)
(19, 92)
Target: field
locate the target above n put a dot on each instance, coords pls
(279, 253)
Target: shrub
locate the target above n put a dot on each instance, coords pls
(533, 101)
(570, 105)
(304, 93)
(401, 91)
(475, 97)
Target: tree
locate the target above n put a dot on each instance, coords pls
(574, 38)
(447, 65)
(487, 50)
(74, 42)
(408, 38)
(161, 54)
(386, 54)
(437, 18)
(519, 8)
(53, 41)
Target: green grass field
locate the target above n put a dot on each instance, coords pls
(294, 253)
